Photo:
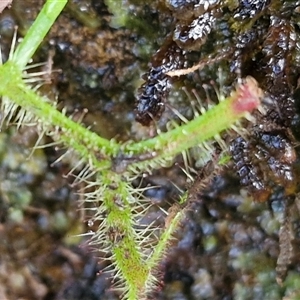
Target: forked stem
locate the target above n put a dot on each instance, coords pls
(117, 204)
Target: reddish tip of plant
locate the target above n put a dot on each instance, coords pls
(247, 97)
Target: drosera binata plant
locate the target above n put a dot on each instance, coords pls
(109, 167)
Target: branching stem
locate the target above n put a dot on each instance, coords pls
(117, 205)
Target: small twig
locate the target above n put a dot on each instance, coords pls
(200, 65)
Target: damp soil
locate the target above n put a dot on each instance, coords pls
(240, 238)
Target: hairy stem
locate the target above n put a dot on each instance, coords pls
(116, 204)
(85, 142)
(117, 231)
(241, 102)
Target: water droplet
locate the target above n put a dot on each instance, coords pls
(90, 223)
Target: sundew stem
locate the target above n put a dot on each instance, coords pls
(38, 31)
(118, 205)
(102, 152)
(118, 232)
(240, 104)
(90, 146)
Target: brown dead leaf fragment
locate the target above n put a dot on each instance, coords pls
(4, 3)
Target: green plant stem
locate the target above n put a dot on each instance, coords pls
(117, 204)
(207, 126)
(37, 33)
(120, 232)
(87, 144)
(102, 152)
(122, 239)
